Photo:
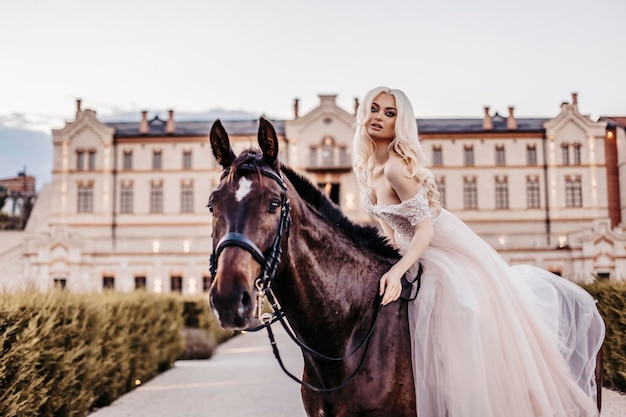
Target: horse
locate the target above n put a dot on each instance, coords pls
(273, 229)
(325, 275)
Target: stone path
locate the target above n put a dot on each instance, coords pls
(242, 379)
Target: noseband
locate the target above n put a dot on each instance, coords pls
(269, 264)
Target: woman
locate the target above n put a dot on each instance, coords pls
(488, 339)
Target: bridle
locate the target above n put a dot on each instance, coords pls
(269, 266)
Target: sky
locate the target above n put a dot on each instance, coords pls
(451, 57)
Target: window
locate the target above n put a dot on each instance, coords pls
(502, 193)
(470, 193)
(604, 276)
(313, 156)
(531, 155)
(186, 159)
(437, 156)
(573, 192)
(156, 160)
(577, 160)
(500, 155)
(441, 187)
(60, 283)
(91, 160)
(343, 155)
(532, 193)
(80, 162)
(140, 283)
(468, 155)
(565, 154)
(85, 199)
(176, 284)
(186, 198)
(108, 283)
(328, 151)
(126, 198)
(156, 198)
(127, 162)
(206, 284)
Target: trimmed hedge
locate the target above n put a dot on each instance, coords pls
(611, 298)
(197, 314)
(64, 353)
(202, 333)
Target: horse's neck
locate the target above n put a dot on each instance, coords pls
(327, 280)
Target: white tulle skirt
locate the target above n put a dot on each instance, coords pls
(491, 340)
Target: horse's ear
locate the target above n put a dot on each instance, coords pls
(268, 142)
(221, 145)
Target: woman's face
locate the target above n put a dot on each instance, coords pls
(382, 120)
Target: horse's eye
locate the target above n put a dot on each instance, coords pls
(274, 206)
(210, 207)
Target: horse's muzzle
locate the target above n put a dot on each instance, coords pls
(233, 310)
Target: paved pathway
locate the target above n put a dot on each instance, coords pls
(242, 379)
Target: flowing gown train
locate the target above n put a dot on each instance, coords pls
(489, 339)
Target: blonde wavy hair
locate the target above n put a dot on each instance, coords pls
(405, 143)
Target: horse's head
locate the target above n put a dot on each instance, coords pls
(250, 218)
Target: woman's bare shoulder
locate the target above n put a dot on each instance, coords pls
(395, 166)
(397, 176)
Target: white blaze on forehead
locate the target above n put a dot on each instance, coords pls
(245, 186)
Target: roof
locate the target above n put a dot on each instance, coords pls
(476, 125)
(192, 128)
(614, 120)
(250, 127)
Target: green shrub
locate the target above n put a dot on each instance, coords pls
(199, 344)
(197, 314)
(611, 298)
(63, 353)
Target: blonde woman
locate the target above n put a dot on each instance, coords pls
(488, 339)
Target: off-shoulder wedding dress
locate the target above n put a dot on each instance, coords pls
(489, 339)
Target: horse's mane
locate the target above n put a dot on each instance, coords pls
(365, 237)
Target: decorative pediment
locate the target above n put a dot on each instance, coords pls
(59, 251)
(570, 118)
(86, 125)
(327, 112)
(59, 240)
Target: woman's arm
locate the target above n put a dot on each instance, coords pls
(405, 188)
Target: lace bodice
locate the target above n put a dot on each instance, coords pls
(404, 216)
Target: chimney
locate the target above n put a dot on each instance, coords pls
(170, 126)
(78, 106)
(143, 125)
(511, 124)
(296, 108)
(487, 122)
(575, 99)
(356, 105)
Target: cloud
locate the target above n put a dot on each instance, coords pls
(37, 122)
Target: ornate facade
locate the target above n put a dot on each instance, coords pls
(126, 206)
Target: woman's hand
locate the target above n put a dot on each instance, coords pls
(390, 286)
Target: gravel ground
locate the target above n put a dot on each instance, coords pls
(242, 379)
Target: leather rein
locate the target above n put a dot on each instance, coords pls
(269, 266)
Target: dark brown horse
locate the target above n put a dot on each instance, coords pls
(326, 280)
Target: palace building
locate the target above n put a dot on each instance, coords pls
(126, 208)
